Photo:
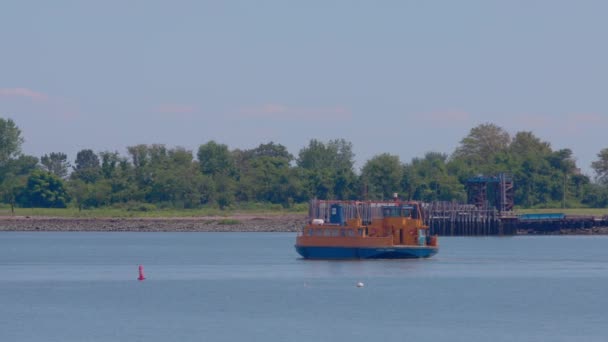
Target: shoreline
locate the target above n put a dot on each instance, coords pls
(235, 223)
(291, 223)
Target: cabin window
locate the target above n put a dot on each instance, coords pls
(388, 212)
(405, 211)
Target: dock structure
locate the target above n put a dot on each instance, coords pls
(452, 219)
(491, 192)
(489, 211)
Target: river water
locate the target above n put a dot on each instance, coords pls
(254, 287)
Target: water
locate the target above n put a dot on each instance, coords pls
(253, 287)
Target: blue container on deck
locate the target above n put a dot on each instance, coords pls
(542, 216)
(336, 215)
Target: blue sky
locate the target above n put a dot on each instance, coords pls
(403, 77)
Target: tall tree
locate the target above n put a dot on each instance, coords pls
(265, 175)
(22, 165)
(87, 166)
(336, 154)
(215, 159)
(525, 143)
(44, 190)
(11, 187)
(328, 168)
(110, 162)
(428, 179)
(86, 159)
(56, 163)
(10, 140)
(119, 176)
(600, 166)
(482, 143)
(177, 180)
(271, 150)
(79, 192)
(381, 176)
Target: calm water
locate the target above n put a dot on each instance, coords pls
(253, 287)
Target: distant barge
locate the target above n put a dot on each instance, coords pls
(365, 230)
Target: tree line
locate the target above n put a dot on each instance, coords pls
(157, 176)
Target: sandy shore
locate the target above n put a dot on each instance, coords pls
(237, 223)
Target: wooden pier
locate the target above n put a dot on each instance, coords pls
(456, 219)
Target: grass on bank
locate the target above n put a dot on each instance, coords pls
(151, 211)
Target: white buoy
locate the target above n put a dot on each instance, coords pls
(360, 284)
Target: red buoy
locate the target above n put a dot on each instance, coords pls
(141, 273)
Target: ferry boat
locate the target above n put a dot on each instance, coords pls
(365, 230)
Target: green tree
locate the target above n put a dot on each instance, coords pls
(56, 163)
(270, 150)
(11, 187)
(596, 196)
(110, 162)
(87, 167)
(117, 173)
(564, 165)
(482, 143)
(265, 175)
(336, 154)
(600, 166)
(527, 144)
(215, 159)
(177, 180)
(328, 169)
(10, 140)
(224, 190)
(428, 179)
(23, 165)
(141, 159)
(157, 172)
(44, 190)
(381, 176)
(79, 192)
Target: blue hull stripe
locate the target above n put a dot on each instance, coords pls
(365, 253)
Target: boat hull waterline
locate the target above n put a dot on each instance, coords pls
(393, 252)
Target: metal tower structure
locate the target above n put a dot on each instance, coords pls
(491, 192)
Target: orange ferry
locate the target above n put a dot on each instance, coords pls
(365, 230)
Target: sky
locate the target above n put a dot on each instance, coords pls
(400, 77)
